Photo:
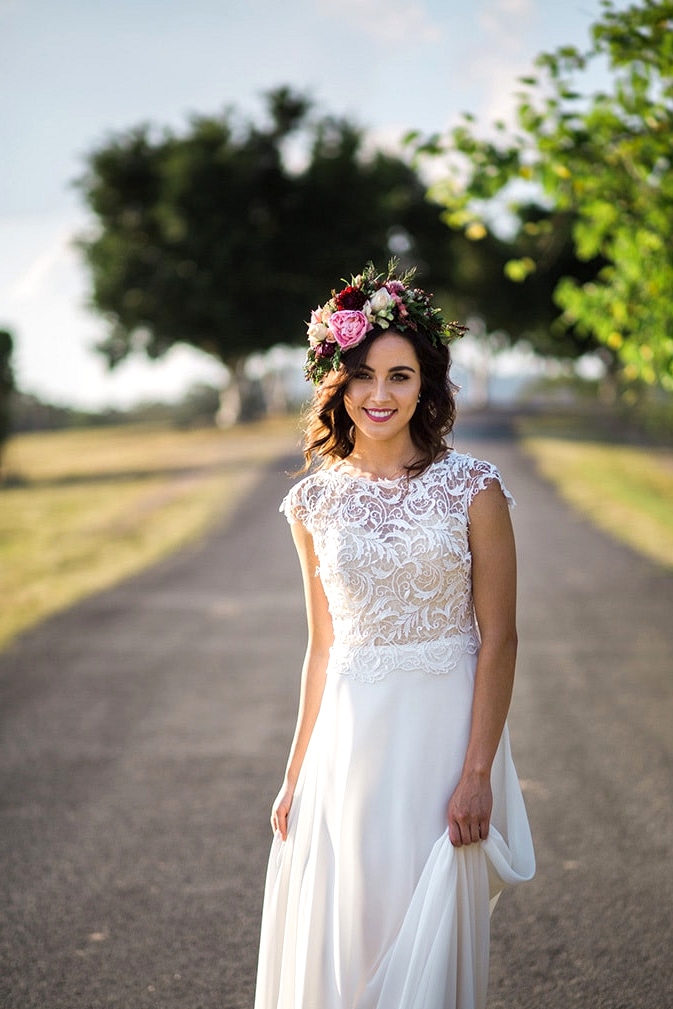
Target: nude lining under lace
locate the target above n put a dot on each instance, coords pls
(395, 564)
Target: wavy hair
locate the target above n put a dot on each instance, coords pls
(328, 430)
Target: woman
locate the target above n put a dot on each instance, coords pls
(400, 815)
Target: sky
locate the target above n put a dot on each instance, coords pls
(75, 72)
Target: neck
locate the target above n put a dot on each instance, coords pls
(382, 459)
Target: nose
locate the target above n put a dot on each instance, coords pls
(380, 392)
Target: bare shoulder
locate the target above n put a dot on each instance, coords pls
(490, 524)
(491, 502)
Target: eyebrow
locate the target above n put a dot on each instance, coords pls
(395, 367)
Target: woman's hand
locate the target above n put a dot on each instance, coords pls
(281, 809)
(469, 811)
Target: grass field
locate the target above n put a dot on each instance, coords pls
(626, 490)
(82, 509)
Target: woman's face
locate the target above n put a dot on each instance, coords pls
(383, 394)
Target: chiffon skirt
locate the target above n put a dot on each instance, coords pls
(367, 903)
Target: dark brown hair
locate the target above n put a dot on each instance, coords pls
(327, 432)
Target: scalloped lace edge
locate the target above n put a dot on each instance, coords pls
(370, 663)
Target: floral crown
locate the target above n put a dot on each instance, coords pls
(371, 299)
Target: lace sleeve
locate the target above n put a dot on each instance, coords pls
(299, 503)
(481, 475)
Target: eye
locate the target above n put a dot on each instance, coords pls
(400, 376)
(361, 375)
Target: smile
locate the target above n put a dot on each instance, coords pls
(379, 416)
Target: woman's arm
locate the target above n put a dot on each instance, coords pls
(320, 638)
(494, 593)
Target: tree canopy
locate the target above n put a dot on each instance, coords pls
(208, 238)
(601, 166)
(485, 281)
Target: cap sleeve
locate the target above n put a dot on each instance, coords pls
(481, 475)
(298, 504)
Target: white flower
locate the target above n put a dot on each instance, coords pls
(317, 333)
(380, 301)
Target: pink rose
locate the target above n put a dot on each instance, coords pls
(349, 328)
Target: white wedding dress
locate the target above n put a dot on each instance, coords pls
(367, 904)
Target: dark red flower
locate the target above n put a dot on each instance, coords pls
(351, 299)
(325, 349)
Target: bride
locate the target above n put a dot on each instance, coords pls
(400, 816)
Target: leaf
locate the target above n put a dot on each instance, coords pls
(518, 269)
(475, 231)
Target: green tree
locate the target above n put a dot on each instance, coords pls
(6, 386)
(485, 281)
(208, 238)
(601, 164)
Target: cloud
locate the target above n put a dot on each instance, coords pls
(517, 7)
(38, 274)
(505, 21)
(508, 28)
(386, 138)
(500, 74)
(43, 305)
(391, 21)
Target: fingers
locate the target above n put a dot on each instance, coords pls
(279, 824)
(279, 821)
(466, 830)
(469, 810)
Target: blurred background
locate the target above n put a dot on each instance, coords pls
(91, 87)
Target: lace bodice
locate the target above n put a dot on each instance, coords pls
(395, 563)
